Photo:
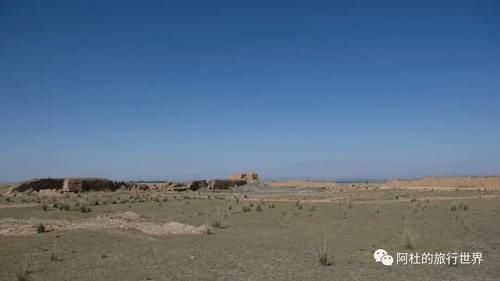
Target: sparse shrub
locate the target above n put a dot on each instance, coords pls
(312, 209)
(237, 200)
(453, 207)
(300, 207)
(258, 208)
(297, 203)
(40, 228)
(413, 200)
(465, 207)
(251, 205)
(230, 207)
(272, 205)
(246, 209)
(349, 204)
(8, 199)
(45, 207)
(377, 210)
(85, 209)
(53, 257)
(406, 239)
(216, 224)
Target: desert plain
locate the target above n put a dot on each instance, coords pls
(262, 230)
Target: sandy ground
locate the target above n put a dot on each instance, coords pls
(125, 220)
(261, 234)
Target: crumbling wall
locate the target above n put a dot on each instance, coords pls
(89, 184)
(69, 185)
(39, 184)
(224, 184)
(247, 176)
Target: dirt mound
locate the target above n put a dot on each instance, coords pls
(126, 220)
(447, 182)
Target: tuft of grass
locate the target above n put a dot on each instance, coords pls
(40, 228)
(45, 207)
(230, 207)
(272, 205)
(23, 274)
(453, 207)
(246, 209)
(349, 204)
(323, 254)
(217, 223)
(377, 210)
(406, 239)
(258, 208)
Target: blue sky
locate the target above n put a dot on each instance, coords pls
(193, 89)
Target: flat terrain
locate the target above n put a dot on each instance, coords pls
(256, 234)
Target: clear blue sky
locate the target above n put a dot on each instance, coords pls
(184, 89)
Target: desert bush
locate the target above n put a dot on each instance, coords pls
(230, 207)
(246, 209)
(85, 209)
(312, 209)
(45, 207)
(349, 204)
(258, 208)
(377, 210)
(40, 228)
(406, 239)
(272, 205)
